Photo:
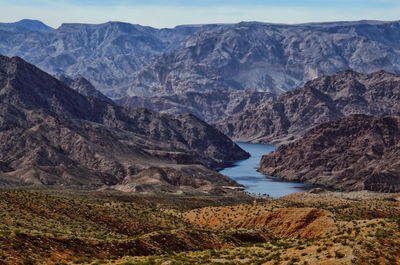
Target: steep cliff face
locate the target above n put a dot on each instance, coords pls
(358, 152)
(50, 134)
(321, 100)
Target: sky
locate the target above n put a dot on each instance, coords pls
(160, 14)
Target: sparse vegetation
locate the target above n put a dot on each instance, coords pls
(79, 227)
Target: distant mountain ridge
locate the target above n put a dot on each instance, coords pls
(25, 25)
(122, 59)
(104, 54)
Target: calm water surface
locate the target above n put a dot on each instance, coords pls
(245, 172)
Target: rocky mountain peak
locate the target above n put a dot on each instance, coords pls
(26, 85)
(34, 25)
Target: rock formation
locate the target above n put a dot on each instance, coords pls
(358, 152)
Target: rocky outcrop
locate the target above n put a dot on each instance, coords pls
(52, 135)
(286, 222)
(210, 106)
(292, 222)
(321, 100)
(358, 152)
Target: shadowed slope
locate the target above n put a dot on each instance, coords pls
(358, 152)
(53, 135)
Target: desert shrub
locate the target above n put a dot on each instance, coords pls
(339, 254)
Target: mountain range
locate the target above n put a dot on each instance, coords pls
(270, 57)
(52, 135)
(324, 99)
(122, 59)
(109, 155)
(255, 82)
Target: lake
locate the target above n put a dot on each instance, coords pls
(245, 172)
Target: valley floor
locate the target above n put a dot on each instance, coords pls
(109, 227)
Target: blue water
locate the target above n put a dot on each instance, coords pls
(245, 172)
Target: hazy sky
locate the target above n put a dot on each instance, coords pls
(170, 13)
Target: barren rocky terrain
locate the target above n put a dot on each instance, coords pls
(52, 135)
(164, 68)
(123, 59)
(209, 106)
(321, 100)
(269, 57)
(358, 152)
